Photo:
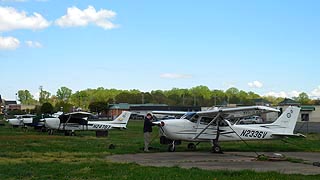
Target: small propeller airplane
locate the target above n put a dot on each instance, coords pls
(213, 126)
(21, 120)
(84, 121)
(29, 120)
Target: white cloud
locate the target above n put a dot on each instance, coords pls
(22, 0)
(255, 84)
(283, 94)
(277, 94)
(33, 44)
(77, 17)
(9, 43)
(175, 76)
(293, 93)
(11, 19)
(13, 0)
(316, 92)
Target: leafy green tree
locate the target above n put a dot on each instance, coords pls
(44, 96)
(98, 106)
(303, 98)
(147, 97)
(243, 98)
(47, 108)
(232, 94)
(158, 97)
(63, 106)
(25, 97)
(124, 97)
(273, 100)
(64, 94)
(218, 97)
(200, 93)
(81, 99)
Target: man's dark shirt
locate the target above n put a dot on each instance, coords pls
(147, 126)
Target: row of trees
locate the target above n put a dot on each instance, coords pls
(195, 96)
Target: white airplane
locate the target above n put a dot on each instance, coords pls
(21, 120)
(213, 126)
(83, 121)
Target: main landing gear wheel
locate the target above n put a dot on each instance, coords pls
(67, 133)
(216, 149)
(50, 132)
(171, 148)
(192, 147)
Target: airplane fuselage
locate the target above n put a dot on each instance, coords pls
(183, 129)
(21, 120)
(54, 123)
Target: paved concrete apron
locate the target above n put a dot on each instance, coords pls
(226, 161)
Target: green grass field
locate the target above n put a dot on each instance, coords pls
(36, 155)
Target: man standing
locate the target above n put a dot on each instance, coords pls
(147, 129)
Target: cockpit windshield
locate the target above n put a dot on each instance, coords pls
(188, 115)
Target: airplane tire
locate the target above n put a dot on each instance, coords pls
(112, 146)
(192, 146)
(50, 132)
(171, 148)
(216, 149)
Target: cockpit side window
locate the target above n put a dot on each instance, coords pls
(194, 118)
(207, 120)
(188, 116)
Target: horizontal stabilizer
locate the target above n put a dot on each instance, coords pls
(169, 112)
(289, 135)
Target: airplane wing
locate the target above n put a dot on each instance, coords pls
(75, 117)
(233, 113)
(238, 111)
(169, 112)
(289, 135)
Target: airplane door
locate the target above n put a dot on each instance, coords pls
(195, 123)
(210, 132)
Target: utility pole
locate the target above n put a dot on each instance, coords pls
(142, 98)
(183, 99)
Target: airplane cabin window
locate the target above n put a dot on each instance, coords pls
(207, 120)
(194, 118)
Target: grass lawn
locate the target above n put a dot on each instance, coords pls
(36, 155)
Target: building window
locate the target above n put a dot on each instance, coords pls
(304, 117)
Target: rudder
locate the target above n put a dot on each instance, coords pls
(287, 120)
(122, 119)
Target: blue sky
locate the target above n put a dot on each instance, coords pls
(269, 47)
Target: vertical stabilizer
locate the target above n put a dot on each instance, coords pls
(122, 119)
(286, 123)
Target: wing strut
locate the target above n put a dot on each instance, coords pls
(66, 123)
(218, 115)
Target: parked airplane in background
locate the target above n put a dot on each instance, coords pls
(213, 126)
(21, 120)
(83, 121)
(30, 120)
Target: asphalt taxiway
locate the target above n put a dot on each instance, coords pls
(299, 163)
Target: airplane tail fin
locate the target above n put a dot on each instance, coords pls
(122, 120)
(286, 123)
